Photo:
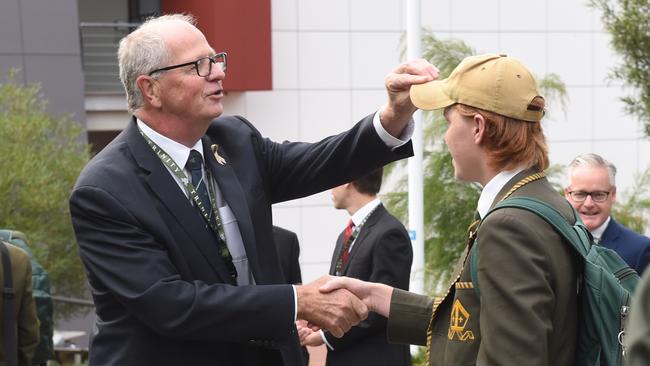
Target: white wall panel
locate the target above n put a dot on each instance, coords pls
(324, 60)
(285, 60)
(318, 15)
(373, 55)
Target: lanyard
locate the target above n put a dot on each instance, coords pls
(215, 224)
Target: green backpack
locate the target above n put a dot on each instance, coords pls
(41, 293)
(606, 286)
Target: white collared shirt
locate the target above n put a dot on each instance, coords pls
(362, 213)
(598, 232)
(493, 187)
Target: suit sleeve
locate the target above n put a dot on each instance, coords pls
(27, 319)
(126, 263)
(298, 169)
(409, 318)
(392, 256)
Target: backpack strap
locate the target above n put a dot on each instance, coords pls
(9, 309)
(577, 235)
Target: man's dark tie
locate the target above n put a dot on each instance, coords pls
(195, 166)
(345, 254)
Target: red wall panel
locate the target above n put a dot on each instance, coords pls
(240, 28)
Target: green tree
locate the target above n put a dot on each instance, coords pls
(448, 204)
(41, 158)
(628, 22)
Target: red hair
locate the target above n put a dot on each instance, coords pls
(511, 142)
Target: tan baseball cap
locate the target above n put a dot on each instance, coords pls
(492, 82)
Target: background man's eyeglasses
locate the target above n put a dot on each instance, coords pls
(203, 66)
(596, 196)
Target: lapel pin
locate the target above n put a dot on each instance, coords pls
(215, 151)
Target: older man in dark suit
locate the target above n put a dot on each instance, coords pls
(592, 192)
(173, 217)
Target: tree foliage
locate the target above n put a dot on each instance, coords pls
(41, 159)
(448, 204)
(628, 22)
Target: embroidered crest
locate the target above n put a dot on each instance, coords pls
(459, 318)
(215, 151)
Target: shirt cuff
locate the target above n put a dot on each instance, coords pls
(295, 303)
(391, 141)
(322, 335)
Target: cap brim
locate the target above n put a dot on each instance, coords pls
(431, 95)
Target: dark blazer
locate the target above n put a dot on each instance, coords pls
(634, 248)
(24, 305)
(163, 294)
(286, 242)
(382, 253)
(528, 306)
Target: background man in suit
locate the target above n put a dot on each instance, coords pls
(526, 312)
(286, 243)
(374, 247)
(26, 321)
(592, 192)
(173, 217)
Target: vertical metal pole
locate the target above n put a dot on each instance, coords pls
(415, 194)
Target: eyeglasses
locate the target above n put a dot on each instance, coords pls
(596, 196)
(203, 66)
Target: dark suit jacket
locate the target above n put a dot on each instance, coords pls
(162, 292)
(528, 306)
(286, 242)
(26, 319)
(634, 248)
(381, 253)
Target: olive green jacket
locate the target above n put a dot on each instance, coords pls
(638, 334)
(26, 320)
(528, 306)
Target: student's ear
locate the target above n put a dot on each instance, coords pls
(150, 90)
(479, 128)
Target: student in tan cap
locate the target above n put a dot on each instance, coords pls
(527, 308)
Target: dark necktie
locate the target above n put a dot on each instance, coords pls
(195, 166)
(347, 241)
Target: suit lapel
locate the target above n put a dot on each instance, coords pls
(365, 230)
(611, 234)
(169, 193)
(234, 196)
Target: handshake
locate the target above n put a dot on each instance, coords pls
(336, 304)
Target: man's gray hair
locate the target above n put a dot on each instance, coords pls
(142, 51)
(594, 161)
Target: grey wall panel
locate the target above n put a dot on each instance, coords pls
(50, 26)
(62, 83)
(8, 62)
(10, 41)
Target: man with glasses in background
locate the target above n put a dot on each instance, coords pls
(592, 192)
(173, 218)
